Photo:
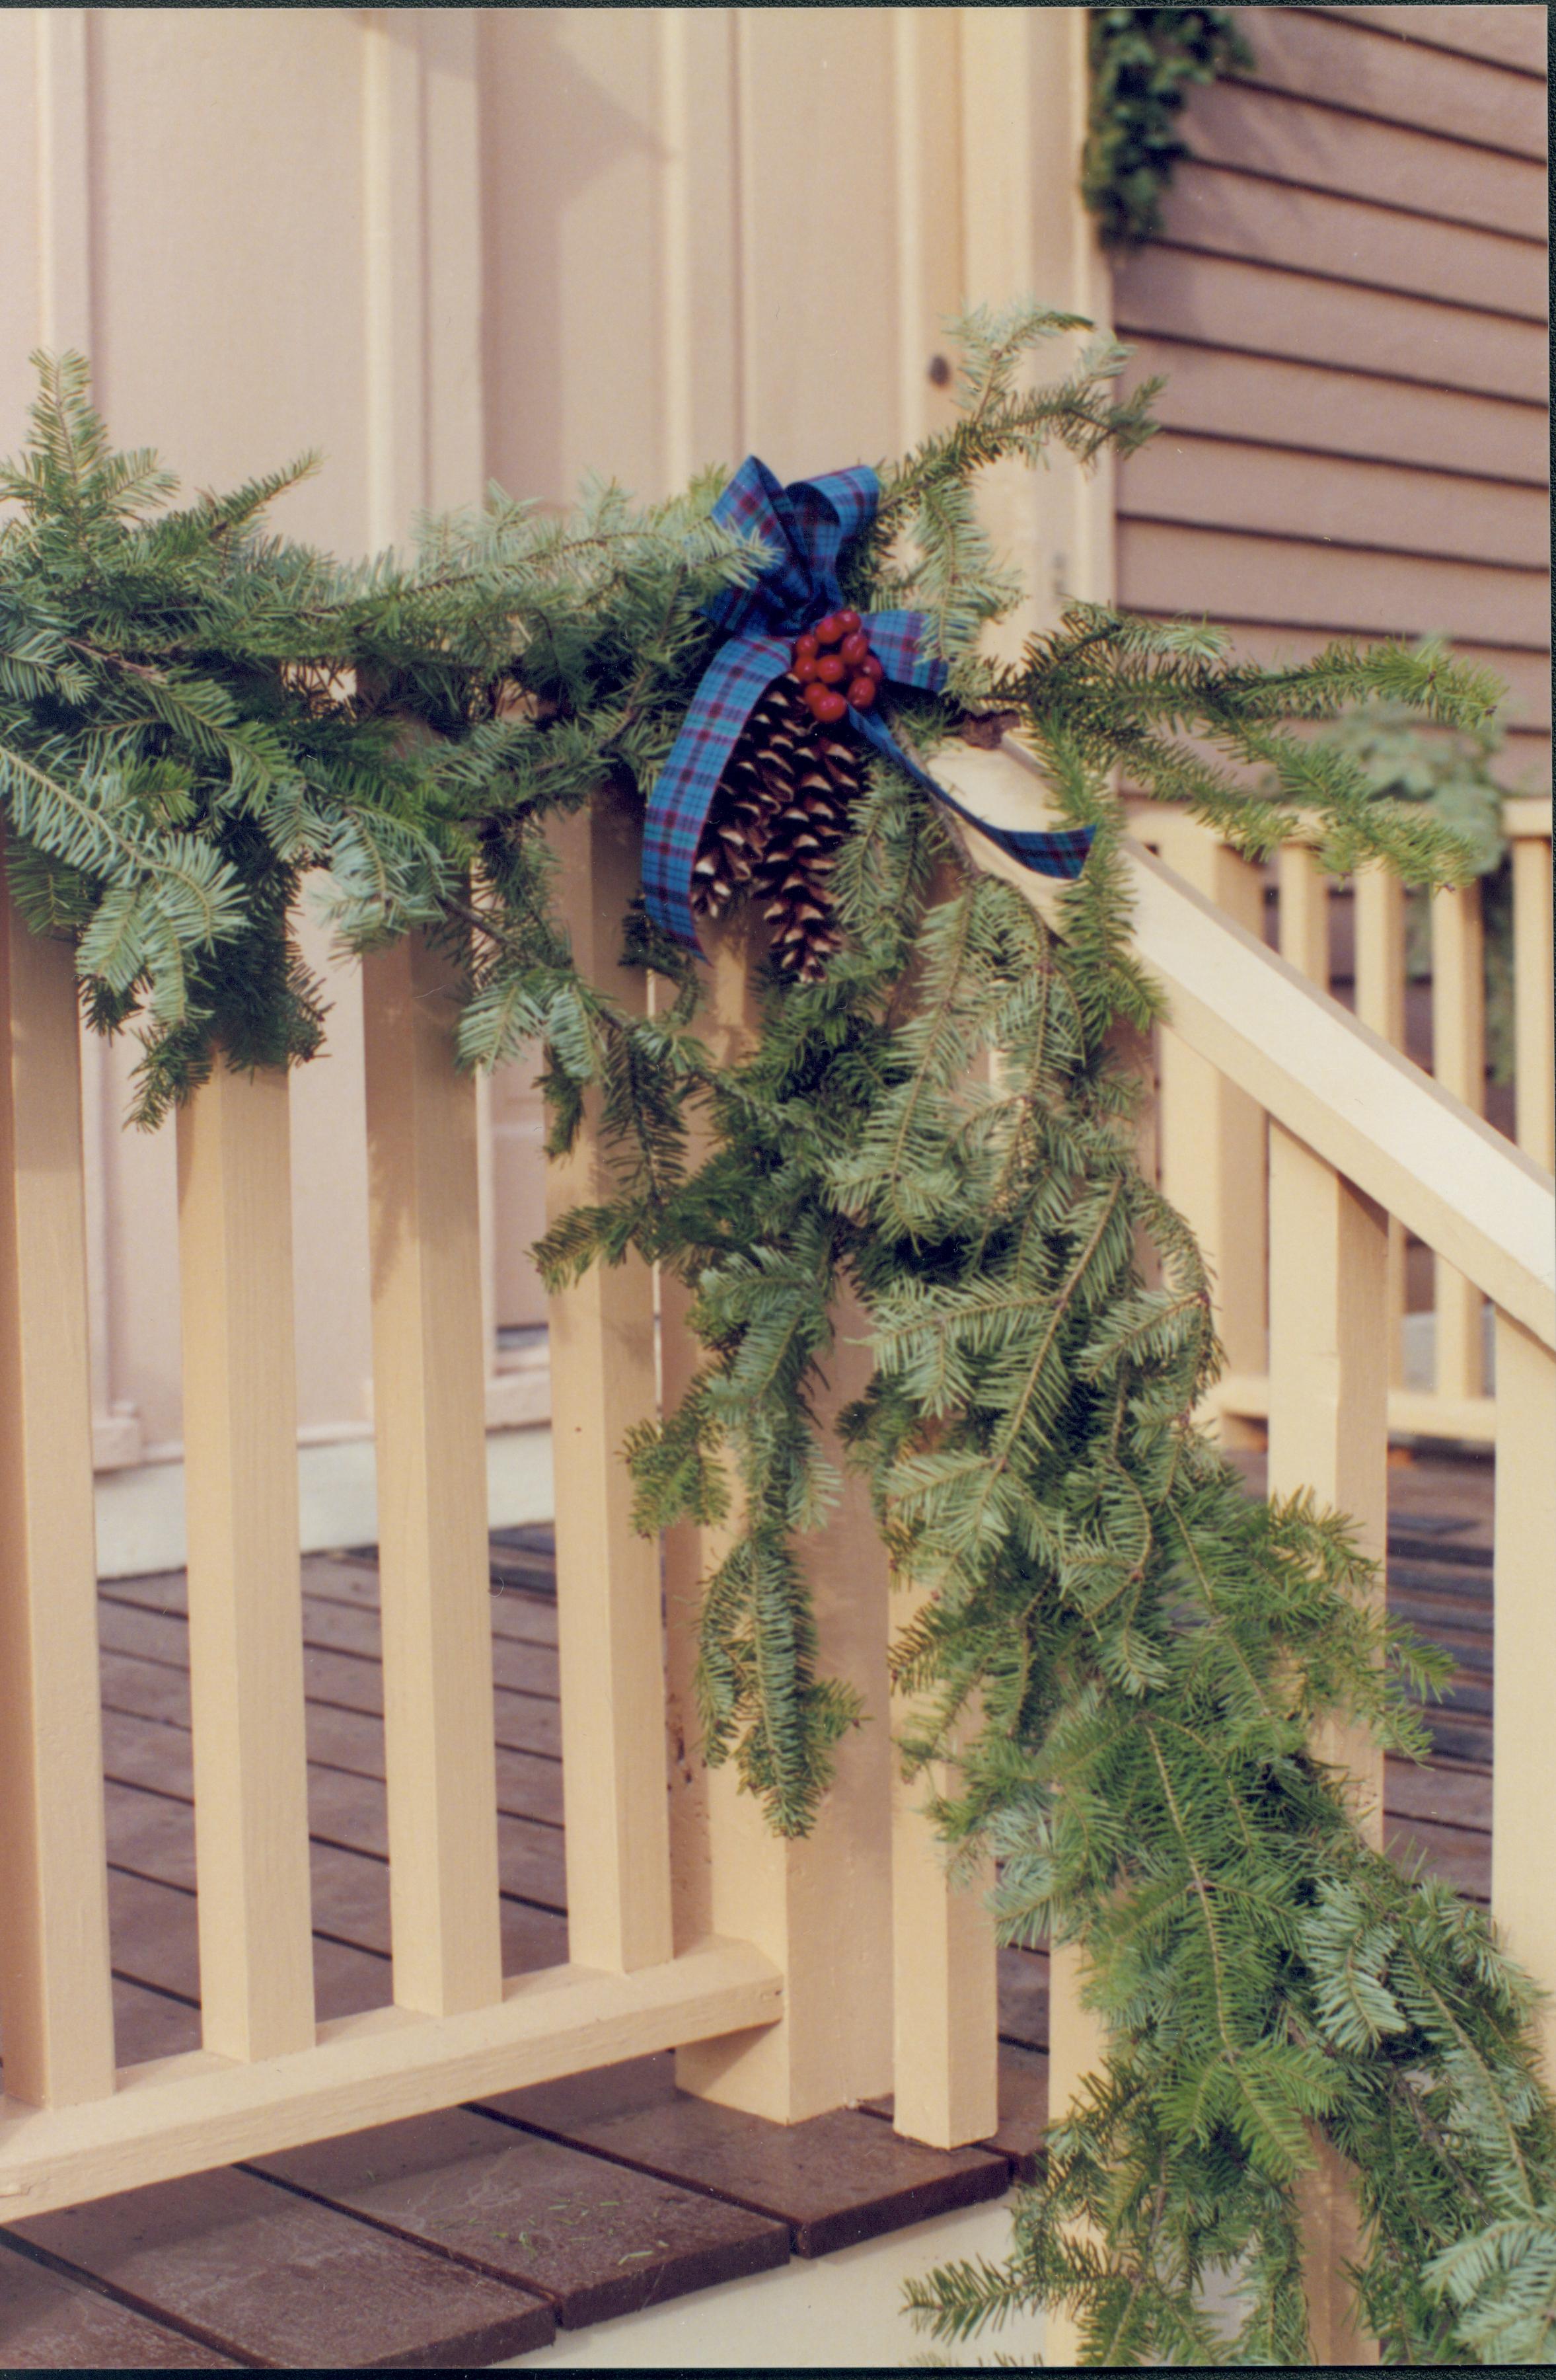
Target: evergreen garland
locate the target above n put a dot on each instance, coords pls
(191, 715)
(1142, 62)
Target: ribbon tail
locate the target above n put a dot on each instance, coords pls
(1046, 852)
(735, 681)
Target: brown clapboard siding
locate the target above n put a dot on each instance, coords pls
(1218, 211)
(1246, 305)
(1211, 482)
(1310, 55)
(1325, 148)
(1511, 35)
(1524, 764)
(1348, 310)
(1228, 575)
(1315, 409)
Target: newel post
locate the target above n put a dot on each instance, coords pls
(820, 1908)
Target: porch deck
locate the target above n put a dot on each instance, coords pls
(470, 2236)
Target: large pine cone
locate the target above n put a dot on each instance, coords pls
(779, 814)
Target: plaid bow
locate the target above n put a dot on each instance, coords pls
(805, 528)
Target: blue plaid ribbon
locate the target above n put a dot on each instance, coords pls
(804, 527)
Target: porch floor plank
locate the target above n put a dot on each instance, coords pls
(51, 2322)
(270, 2277)
(600, 2240)
(835, 2180)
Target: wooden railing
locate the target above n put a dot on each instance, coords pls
(689, 1925)
(1210, 1136)
(789, 1976)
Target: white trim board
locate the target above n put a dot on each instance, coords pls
(140, 1512)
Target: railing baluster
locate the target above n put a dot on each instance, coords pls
(1211, 1135)
(1458, 1042)
(1529, 825)
(55, 1996)
(429, 1423)
(1304, 891)
(1329, 1432)
(245, 1654)
(1380, 990)
(945, 2006)
(1522, 1805)
(610, 1633)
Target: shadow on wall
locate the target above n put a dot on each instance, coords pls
(568, 175)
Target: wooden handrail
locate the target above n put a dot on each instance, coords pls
(1459, 1185)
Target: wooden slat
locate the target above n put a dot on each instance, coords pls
(1328, 1376)
(1221, 212)
(1219, 483)
(1458, 1041)
(1290, 139)
(1534, 1062)
(1523, 1785)
(1307, 53)
(732, 1875)
(1304, 894)
(1329, 1433)
(430, 1420)
(1229, 575)
(55, 1997)
(1210, 1136)
(1236, 304)
(945, 2017)
(1458, 1185)
(1290, 403)
(614, 1779)
(183, 2115)
(1511, 33)
(1380, 997)
(240, 1493)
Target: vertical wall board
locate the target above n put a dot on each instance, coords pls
(572, 200)
(821, 338)
(226, 230)
(21, 327)
(1027, 236)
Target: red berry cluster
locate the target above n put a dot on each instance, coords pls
(836, 667)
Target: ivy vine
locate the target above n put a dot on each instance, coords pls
(1143, 62)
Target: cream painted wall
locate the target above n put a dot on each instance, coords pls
(443, 245)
